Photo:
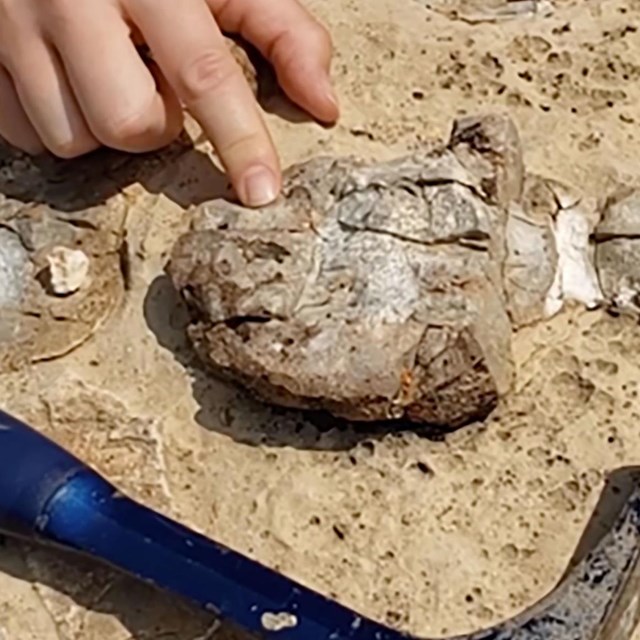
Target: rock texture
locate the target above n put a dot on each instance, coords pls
(391, 291)
(62, 231)
(437, 538)
(617, 238)
(49, 207)
(376, 292)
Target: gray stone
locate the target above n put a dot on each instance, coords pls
(617, 239)
(373, 291)
(14, 266)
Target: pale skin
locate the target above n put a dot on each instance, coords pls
(72, 79)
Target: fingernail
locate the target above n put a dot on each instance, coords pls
(259, 187)
(333, 98)
(331, 94)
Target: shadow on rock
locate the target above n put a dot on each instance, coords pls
(143, 611)
(91, 180)
(232, 411)
(269, 94)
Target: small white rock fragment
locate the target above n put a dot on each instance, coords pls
(278, 621)
(576, 277)
(68, 270)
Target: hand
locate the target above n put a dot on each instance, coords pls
(72, 80)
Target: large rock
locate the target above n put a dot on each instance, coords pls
(373, 291)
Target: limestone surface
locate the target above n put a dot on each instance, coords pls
(50, 209)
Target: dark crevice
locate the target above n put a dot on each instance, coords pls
(238, 321)
(77, 223)
(600, 238)
(124, 261)
(467, 240)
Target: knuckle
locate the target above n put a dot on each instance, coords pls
(206, 74)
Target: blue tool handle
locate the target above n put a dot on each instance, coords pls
(49, 495)
(32, 470)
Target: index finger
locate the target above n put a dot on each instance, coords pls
(194, 57)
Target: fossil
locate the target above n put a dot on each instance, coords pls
(376, 291)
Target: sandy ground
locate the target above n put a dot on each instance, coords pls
(432, 537)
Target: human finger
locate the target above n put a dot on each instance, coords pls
(192, 53)
(297, 45)
(15, 127)
(48, 100)
(116, 92)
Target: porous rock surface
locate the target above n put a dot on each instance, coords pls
(47, 207)
(50, 208)
(376, 292)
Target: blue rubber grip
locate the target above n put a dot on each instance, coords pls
(32, 470)
(48, 494)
